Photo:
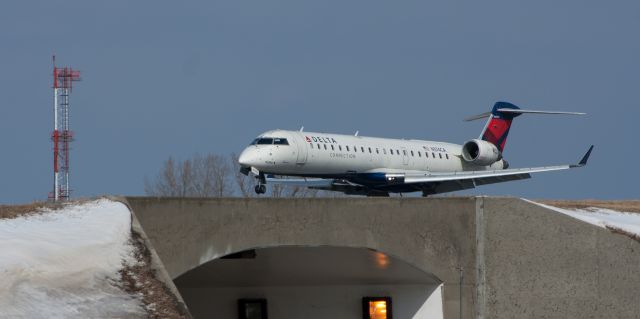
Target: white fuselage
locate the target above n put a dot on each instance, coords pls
(320, 154)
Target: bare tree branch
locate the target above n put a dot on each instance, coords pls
(207, 176)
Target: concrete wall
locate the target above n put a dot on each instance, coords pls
(435, 235)
(542, 264)
(156, 265)
(519, 260)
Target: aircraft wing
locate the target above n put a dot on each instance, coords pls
(308, 182)
(446, 182)
(482, 177)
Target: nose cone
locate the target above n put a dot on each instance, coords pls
(248, 157)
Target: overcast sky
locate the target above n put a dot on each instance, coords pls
(172, 78)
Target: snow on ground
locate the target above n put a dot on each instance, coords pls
(64, 263)
(602, 217)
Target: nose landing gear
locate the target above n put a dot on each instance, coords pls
(261, 189)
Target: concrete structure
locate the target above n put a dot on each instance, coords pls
(467, 257)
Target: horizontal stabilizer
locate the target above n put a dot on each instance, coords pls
(477, 117)
(509, 110)
(519, 111)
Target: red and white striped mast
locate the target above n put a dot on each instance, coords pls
(63, 79)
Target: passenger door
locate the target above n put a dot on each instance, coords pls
(302, 150)
(405, 156)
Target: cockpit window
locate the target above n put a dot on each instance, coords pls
(264, 141)
(269, 141)
(280, 141)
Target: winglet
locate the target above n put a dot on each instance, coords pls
(584, 159)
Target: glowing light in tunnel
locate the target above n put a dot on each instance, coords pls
(377, 307)
(382, 260)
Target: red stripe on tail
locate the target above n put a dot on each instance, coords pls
(497, 131)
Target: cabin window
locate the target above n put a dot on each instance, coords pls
(280, 141)
(264, 141)
(347, 148)
(333, 148)
(440, 154)
(355, 149)
(384, 150)
(318, 145)
(447, 155)
(412, 153)
(419, 154)
(362, 149)
(377, 151)
(404, 152)
(340, 147)
(433, 154)
(426, 154)
(397, 152)
(391, 150)
(325, 147)
(370, 150)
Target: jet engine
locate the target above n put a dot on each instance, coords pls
(481, 153)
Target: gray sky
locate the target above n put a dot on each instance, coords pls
(165, 78)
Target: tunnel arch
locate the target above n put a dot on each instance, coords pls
(210, 255)
(378, 259)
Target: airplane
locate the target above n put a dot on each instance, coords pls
(359, 165)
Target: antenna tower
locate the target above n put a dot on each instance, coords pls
(63, 79)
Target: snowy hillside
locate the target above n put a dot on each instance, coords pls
(602, 217)
(65, 263)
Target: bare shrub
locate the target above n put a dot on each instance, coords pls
(211, 176)
(200, 176)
